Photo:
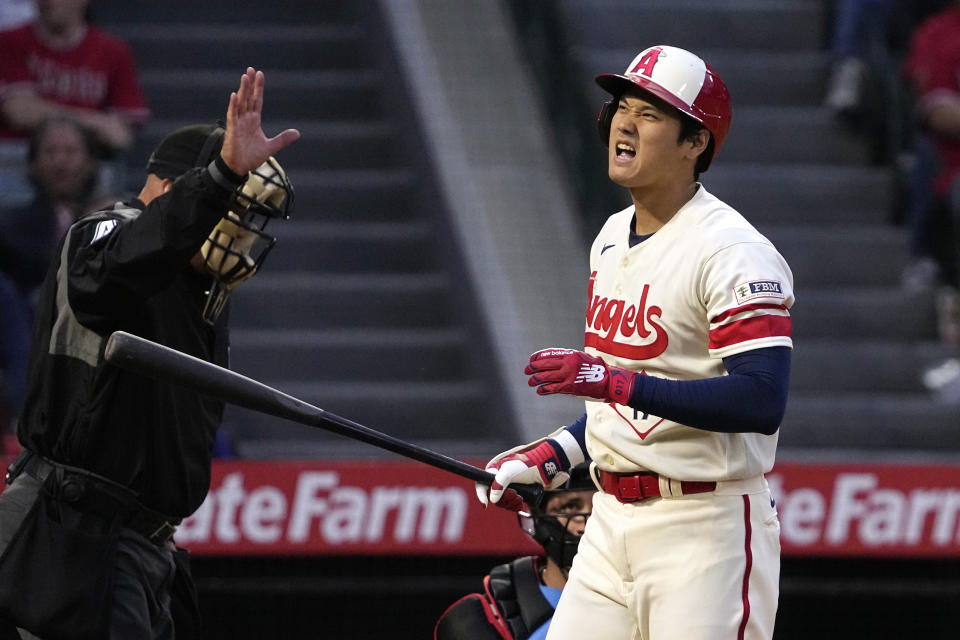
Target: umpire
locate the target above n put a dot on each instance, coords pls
(113, 461)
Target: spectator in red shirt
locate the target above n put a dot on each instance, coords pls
(932, 70)
(60, 65)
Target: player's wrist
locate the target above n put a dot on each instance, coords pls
(546, 453)
(568, 449)
(620, 385)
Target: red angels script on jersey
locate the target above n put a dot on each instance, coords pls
(647, 62)
(612, 318)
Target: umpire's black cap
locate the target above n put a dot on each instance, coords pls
(192, 146)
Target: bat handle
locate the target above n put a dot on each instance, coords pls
(531, 493)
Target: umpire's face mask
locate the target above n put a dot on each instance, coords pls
(238, 245)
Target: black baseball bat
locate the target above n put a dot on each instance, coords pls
(145, 357)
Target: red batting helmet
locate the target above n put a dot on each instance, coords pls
(679, 78)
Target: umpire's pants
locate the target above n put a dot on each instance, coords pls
(142, 573)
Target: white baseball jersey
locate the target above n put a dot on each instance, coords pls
(705, 286)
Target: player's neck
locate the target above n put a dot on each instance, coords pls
(654, 208)
(552, 575)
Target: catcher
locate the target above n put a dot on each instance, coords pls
(519, 597)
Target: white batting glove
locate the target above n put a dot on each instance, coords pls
(535, 463)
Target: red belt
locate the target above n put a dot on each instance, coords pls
(632, 487)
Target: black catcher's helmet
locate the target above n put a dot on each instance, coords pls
(555, 538)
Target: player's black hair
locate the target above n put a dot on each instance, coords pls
(689, 130)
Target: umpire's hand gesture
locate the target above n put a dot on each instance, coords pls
(245, 145)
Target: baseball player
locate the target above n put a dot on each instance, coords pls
(112, 461)
(519, 597)
(685, 371)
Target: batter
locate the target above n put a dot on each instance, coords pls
(685, 371)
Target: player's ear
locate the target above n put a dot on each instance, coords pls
(698, 142)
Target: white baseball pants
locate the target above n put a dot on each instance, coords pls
(698, 567)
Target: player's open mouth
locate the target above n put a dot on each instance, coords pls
(625, 151)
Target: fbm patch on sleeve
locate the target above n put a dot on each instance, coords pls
(758, 289)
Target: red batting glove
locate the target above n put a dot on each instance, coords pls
(579, 374)
(535, 463)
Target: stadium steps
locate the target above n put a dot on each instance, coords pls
(303, 300)
(328, 145)
(866, 366)
(793, 193)
(769, 25)
(834, 258)
(361, 309)
(861, 340)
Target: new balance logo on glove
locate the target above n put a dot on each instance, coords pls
(590, 373)
(551, 469)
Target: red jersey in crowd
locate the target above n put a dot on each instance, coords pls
(97, 72)
(933, 67)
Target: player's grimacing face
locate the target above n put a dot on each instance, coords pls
(643, 148)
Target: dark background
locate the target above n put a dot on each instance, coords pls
(401, 598)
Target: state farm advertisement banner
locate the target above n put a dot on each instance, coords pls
(868, 510)
(404, 507)
(355, 507)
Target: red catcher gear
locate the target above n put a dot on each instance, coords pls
(681, 79)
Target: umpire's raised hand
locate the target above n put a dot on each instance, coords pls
(245, 145)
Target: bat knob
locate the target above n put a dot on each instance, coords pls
(531, 493)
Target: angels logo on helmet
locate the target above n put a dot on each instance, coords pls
(679, 78)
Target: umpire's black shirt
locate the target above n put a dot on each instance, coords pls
(128, 268)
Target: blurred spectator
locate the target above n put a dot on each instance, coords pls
(63, 171)
(60, 65)
(859, 27)
(932, 71)
(866, 36)
(864, 89)
(943, 381)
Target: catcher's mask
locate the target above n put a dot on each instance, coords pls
(553, 530)
(238, 244)
(682, 80)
